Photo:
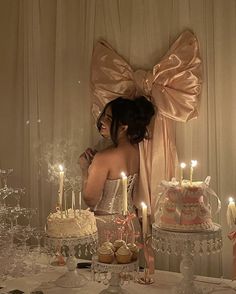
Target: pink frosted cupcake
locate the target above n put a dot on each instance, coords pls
(105, 254)
(118, 243)
(109, 244)
(134, 250)
(123, 254)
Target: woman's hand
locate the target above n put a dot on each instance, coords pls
(86, 158)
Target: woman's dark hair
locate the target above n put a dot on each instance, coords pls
(136, 114)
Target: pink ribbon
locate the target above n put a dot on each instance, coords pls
(232, 237)
(126, 220)
(148, 254)
(147, 247)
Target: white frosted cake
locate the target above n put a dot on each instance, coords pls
(74, 224)
(185, 207)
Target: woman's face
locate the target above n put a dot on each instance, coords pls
(106, 123)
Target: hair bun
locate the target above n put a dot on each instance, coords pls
(134, 113)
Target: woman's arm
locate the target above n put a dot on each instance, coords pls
(94, 179)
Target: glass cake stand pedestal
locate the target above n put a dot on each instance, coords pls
(113, 275)
(187, 244)
(72, 247)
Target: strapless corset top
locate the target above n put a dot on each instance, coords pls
(111, 201)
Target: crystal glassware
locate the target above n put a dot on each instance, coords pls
(18, 193)
(39, 234)
(114, 275)
(4, 173)
(29, 213)
(68, 247)
(22, 234)
(12, 214)
(187, 244)
(5, 192)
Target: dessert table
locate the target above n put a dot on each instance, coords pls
(164, 283)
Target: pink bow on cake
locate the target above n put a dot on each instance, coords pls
(173, 86)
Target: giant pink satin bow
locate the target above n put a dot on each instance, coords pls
(173, 85)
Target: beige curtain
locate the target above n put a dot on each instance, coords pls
(45, 52)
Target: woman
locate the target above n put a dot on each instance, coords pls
(125, 122)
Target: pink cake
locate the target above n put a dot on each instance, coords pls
(185, 207)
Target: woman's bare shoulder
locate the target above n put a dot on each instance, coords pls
(106, 153)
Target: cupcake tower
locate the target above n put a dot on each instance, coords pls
(117, 252)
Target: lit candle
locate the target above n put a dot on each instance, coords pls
(61, 184)
(182, 167)
(80, 201)
(73, 201)
(231, 212)
(193, 164)
(124, 192)
(65, 205)
(144, 219)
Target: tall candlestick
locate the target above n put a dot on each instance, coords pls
(193, 164)
(182, 167)
(124, 192)
(80, 198)
(65, 205)
(73, 199)
(61, 184)
(231, 212)
(144, 219)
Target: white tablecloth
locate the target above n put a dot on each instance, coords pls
(164, 283)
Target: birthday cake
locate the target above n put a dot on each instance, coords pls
(71, 224)
(185, 207)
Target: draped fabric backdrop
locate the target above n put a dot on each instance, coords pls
(45, 53)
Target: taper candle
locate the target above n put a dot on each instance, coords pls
(231, 212)
(73, 201)
(144, 219)
(61, 185)
(124, 192)
(193, 164)
(80, 199)
(182, 167)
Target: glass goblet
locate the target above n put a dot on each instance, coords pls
(4, 194)
(18, 193)
(29, 213)
(39, 234)
(4, 173)
(22, 234)
(12, 214)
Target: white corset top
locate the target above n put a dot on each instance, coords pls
(111, 200)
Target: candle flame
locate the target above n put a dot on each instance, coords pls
(143, 205)
(123, 175)
(193, 163)
(231, 200)
(61, 167)
(182, 164)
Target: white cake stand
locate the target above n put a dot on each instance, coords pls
(72, 247)
(113, 275)
(187, 244)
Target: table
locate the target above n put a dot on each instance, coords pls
(164, 283)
